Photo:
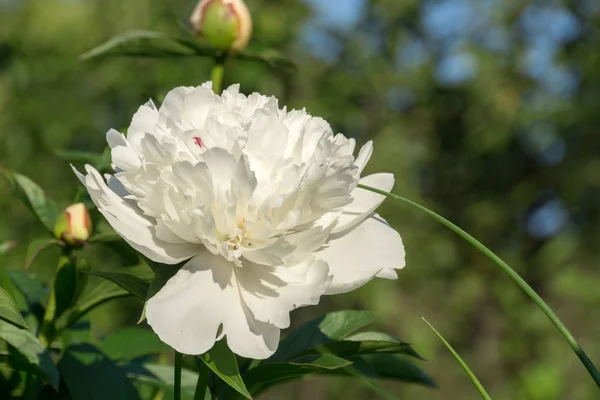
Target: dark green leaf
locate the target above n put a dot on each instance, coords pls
(31, 288)
(159, 45)
(387, 366)
(91, 375)
(32, 350)
(94, 159)
(265, 375)
(326, 329)
(9, 311)
(96, 292)
(369, 343)
(161, 377)
(223, 362)
(162, 273)
(130, 343)
(65, 285)
(141, 43)
(34, 197)
(105, 237)
(134, 285)
(36, 247)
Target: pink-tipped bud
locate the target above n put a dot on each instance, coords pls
(73, 226)
(225, 24)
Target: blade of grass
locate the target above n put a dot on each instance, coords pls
(476, 383)
(566, 334)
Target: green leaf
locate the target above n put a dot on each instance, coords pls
(160, 45)
(95, 159)
(221, 360)
(91, 375)
(347, 348)
(9, 311)
(34, 197)
(162, 273)
(161, 377)
(266, 375)
(105, 237)
(31, 288)
(134, 285)
(96, 292)
(465, 367)
(326, 329)
(130, 343)
(31, 349)
(65, 285)
(36, 247)
(387, 366)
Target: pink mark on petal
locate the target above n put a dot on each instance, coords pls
(198, 141)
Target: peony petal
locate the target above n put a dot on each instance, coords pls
(272, 292)
(371, 249)
(131, 225)
(143, 122)
(364, 203)
(202, 297)
(363, 156)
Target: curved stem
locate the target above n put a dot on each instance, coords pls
(218, 72)
(465, 367)
(177, 378)
(566, 334)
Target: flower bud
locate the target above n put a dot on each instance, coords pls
(73, 226)
(225, 24)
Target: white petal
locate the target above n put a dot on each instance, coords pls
(363, 156)
(131, 225)
(272, 292)
(370, 250)
(143, 122)
(203, 296)
(364, 203)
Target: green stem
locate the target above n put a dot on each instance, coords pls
(476, 383)
(177, 379)
(202, 383)
(587, 363)
(48, 331)
(217, 73)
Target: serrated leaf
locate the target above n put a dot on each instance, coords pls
(130, 343)
(160, 45)
(326, 329)
(134, 285)
(9, 311)
(34, 197)
(266, 375)
(221, 360)
(91, 375)
(31, 349)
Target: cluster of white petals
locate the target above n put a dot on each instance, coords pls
(261, 201)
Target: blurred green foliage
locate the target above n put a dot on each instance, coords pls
(486, 111)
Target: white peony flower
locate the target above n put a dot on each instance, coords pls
(262, 202)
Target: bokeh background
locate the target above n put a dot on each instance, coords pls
(487, 111)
